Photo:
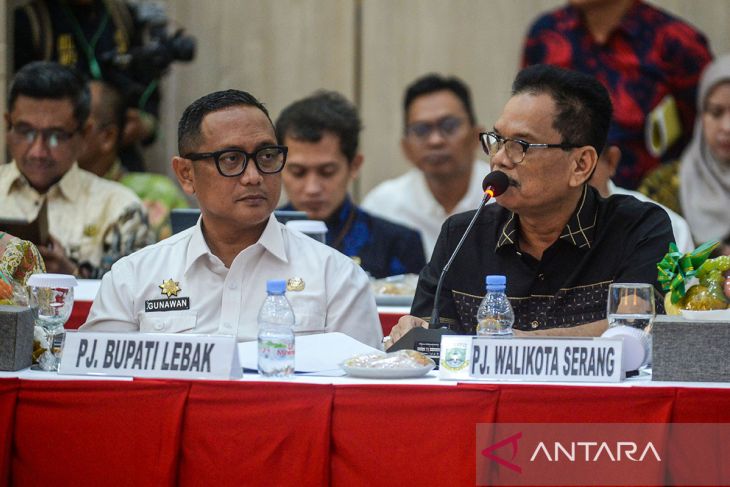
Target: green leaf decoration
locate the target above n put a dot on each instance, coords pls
(675, 269)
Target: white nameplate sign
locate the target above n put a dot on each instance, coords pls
(531, 359)
(179, 356)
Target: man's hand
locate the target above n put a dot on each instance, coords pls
(405, 323)
(54, 256)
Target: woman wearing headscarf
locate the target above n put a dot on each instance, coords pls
(698, 186)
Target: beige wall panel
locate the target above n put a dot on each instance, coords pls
(278, 50)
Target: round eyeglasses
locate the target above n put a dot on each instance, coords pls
(514, 148)
(233, 162)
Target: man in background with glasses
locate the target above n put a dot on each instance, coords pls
(558, 242)
(92, 222)
(211, 278)
(440, 140)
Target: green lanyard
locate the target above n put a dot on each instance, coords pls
(89, 47)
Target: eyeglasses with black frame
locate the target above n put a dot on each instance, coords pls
(232, 162)
(516, 149)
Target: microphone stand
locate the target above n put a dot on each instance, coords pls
(435, 322)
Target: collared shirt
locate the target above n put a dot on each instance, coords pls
(97, 221)
(650, 55)
(382, 248)
(408, 200)
(680, 227)
(618, 239)
(179, 286)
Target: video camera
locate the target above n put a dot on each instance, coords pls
(148, 62)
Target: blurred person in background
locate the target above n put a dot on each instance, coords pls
(601, 180)
(125, 43)
(440, 139)
(698, 184)
(322, 133)
(101, 156)
(92, 222)
(650, 62)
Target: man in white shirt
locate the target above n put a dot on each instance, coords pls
(601, 180)
(440, 138)
(92, 222)
(212, 277)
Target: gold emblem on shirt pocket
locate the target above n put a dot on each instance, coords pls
(91, 230)
(295, 284)
(167, 321)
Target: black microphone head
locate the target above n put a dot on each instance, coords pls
(497, 180)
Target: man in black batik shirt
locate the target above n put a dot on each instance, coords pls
(557, 241)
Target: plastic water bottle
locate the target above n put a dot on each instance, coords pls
(276, 333)
(495, 316)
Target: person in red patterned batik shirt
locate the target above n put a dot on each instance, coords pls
(643, 55)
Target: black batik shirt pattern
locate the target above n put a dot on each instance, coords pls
(618, 239)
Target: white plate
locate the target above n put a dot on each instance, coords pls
(711, 315)
(372, 373)
(393, 299)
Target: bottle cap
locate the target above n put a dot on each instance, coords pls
(276, 286)
(52, 280)
(496, 280)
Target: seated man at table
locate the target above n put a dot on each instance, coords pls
(558, 242)
(211, 278)
(322, 132)
(92, 222)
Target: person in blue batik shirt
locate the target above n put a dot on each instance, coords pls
(322, 132)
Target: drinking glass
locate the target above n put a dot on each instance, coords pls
(631, 304)
(630, 317)
(51, 298)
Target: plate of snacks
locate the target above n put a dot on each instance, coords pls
(403, 364)
(395, 290)
(698, 288)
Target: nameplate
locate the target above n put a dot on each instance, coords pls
(179, 356)
(531, 359)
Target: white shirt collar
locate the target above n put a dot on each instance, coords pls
(271, 240)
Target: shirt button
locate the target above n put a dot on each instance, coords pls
(159, 326)
(232, 285)
(535, 324)
(541, 277)
(226, 326)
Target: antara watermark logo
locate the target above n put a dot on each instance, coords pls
(593, 451)
(570, 454)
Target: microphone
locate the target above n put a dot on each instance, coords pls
(495, 183)
(428, 340)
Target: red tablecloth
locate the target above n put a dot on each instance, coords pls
(150, 432)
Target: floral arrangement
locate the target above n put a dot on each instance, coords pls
(693, 281)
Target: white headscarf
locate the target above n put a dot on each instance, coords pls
(704, 188)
